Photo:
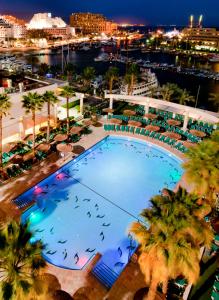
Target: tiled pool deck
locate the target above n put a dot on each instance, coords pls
(131, 278)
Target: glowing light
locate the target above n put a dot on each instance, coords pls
(60, 176)
(35, 217)
(191, 21)
(82, 261)
(37, 190)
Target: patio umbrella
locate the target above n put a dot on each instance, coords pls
(172, 135)
(115, 121)
(60, 137)
(28, 156)
(10, 146)
(76, 130)
(108, 110)
(197, 133)
(134, 123)
(29, 137)
(16, 159)
(188, 144)
(150, 116)
(152, 128)
(64, 148)
(129, 112)
(77, 149)
(43, 147)
(173, 122)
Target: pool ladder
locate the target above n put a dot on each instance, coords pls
(104, 274)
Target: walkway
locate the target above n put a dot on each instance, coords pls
(188, 111)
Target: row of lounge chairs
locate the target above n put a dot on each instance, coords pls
(198, 125)
(152, 134)
(160, 123)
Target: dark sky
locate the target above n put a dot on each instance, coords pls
(149, 12)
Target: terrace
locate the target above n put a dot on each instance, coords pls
(48, 162)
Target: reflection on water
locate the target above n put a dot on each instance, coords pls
(82, 59)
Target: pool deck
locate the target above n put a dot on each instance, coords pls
(131, 278)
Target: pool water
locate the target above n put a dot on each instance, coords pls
(88, 205)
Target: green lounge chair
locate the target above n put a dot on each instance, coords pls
(142, 131)
(157, 135)
(137, 130)
(166, 140)
(132, 129)
(162, 138)
(127, 128)
(214, 295)
(152, 134)
(216, 285)
(122, 128)
(172, 142)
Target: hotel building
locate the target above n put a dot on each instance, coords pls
(54, 26)
(11, 27)
(207, 38)
(89, 23)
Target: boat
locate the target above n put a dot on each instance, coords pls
(102, 57)
(145, 50)
(129, 49)
(214, 59)
(148, 82)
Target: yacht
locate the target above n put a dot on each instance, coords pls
(129, 49)
(148, 82)
(214, 59)
(102, 57)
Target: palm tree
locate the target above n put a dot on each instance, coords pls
(131, 76)
(201, 168)
(67, 92)
(33, 60)
(43, 69)
(111, 76)
(32, 102)
(69, 71)
(88, 75)
(184, 97)
(20, 261)
(5, 105)
(170, 239)
(50, 98)
(168, 90)
(214, 97)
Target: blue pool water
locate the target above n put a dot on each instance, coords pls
(88, 205)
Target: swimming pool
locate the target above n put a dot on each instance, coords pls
(88, 205)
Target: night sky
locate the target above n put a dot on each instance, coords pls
(152, 12)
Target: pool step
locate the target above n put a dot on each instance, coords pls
(104, 274)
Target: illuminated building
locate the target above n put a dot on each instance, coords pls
(11, 27)
(5, 29)
(202, 37)
(92, 23)
(56, 27)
